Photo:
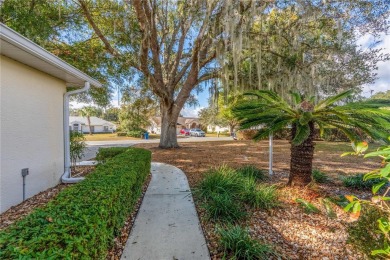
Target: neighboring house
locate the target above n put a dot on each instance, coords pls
(182, 122)
(33, 128)
(98, 125)
(216, 128)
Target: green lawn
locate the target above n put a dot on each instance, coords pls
(114, 137)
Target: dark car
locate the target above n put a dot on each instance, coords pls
(197, 132)
(185, 131)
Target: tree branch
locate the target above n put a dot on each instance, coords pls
(96, 29)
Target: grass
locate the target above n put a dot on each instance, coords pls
(215, 135)
(262, 196)
(252, 171)
(237, 244)
(224, 207)
(219, 180)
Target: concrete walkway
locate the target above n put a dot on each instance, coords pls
(167, 224)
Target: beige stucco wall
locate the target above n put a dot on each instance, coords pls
(31, 133)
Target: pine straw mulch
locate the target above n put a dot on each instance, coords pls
(292, 233)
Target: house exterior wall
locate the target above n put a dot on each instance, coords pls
(31, 108)
(213, 128)
(97, 129)
(153, 128)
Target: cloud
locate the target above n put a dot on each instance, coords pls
(190, 111)
(383, 82)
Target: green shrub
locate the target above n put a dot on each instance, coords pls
(136, 133)
(260, 196)
(237, 244)
(224, 207)
(107, 153)
(364, 234)
(121, 134)
(224, 193)
(252, 171)
(357, 182)
(82, 221)
(319, 176)
(77, 146)
(220, 180)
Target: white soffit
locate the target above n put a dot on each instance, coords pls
(19, 48)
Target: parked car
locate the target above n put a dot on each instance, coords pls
(185, 131)
(197, 132)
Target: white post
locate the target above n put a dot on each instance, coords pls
(270, 154)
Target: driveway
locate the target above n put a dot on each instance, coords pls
(93, 146)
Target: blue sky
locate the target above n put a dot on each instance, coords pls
(382, 84)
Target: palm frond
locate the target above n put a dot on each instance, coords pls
(331, 100)
(296, 97)
(274, 127)
(303, 132)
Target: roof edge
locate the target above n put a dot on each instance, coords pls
(27, 45)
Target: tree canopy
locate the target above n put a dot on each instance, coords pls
(175, 47)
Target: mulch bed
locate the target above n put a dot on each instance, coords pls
(293, 233)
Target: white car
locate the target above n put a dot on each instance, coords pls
(197, 132)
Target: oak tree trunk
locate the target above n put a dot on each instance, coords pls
(169, 116)
(302, 159)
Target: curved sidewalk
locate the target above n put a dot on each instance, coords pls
(167, 225)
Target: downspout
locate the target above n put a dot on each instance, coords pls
(66, 177)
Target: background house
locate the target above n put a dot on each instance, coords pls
(98, 125)
(182, 122)
(32, 83)
(216, 128)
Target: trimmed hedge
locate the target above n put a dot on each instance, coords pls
(82, 221)
(107, 153)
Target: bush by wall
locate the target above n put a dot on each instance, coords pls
(107, 153)
(82, 221)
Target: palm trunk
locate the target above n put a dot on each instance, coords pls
(89, 125)
(169, 116)
(302, 159)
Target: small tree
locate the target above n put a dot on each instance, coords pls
(270, 111)
(77, 146)
(87, 112)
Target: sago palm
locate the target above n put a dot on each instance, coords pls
(270, 113)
